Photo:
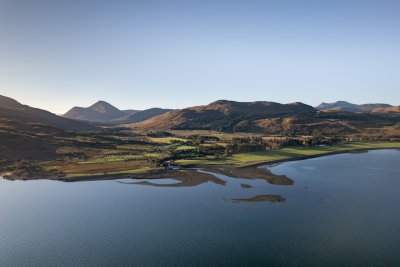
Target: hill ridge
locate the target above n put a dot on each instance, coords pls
(350, 107)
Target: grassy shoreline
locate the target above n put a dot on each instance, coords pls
(312, 156)
(247, 161)
(289, 154)
(241, 160)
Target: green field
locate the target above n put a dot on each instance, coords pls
(288, 153)
(124, 172)
(112, 159)
(186, 148)
(165, 140)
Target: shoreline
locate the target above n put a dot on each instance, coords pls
(347, 151)
(186, 171)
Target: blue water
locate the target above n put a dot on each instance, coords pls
(342, 210)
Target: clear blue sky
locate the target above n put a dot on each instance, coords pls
(139, 54)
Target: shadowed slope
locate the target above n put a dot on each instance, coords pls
(11, 110)
(140, 116)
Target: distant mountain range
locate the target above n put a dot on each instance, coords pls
(346, 106)
(104, 112)
(269, 118)
(223, 115)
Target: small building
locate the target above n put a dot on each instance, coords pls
(169, 165)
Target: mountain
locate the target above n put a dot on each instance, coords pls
(7, 102)
(387, 110)
(130, 111)
(223, 115)
(104, 112)
(350, 107)
(140, 116)
(101, 111)
(269, 118)
(12, 110)
(31, 133)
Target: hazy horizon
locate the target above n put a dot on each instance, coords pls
(175, 54)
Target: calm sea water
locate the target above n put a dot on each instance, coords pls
(343, 210)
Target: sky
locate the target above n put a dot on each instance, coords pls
(140, 54)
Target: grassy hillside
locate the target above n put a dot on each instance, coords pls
(272, 119)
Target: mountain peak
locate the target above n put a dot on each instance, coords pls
(104, 107)
(101, 102)
(101, 111)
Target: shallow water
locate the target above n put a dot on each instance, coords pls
(341, 210)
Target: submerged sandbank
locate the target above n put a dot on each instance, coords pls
(262, 198)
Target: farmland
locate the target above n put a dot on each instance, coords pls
(112, 153)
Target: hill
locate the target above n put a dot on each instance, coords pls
(104, 112)
(130, 111)
(100, 111)
(350, 107)
(395, 109)
(140, 116)
(267, 118)
(12, 110)
(31, 133)
(223, 115)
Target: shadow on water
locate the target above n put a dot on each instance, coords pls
(186, 178)
(219, 176)
(261, 198)
(251, 173)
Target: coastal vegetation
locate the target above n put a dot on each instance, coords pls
(124, 152)
(289, 153)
